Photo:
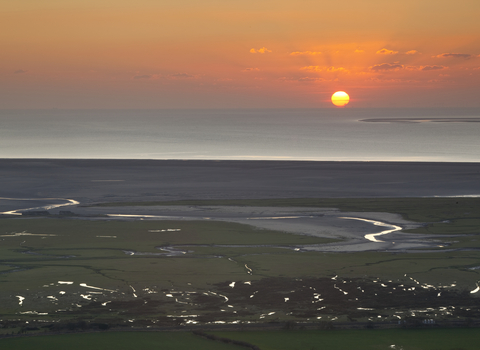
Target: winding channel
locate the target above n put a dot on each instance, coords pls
(45, 207)
(372, 236)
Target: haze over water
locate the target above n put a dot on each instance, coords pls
(444, 135)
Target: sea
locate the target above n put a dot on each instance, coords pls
(333, 134)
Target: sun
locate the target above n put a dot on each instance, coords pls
(340, 98)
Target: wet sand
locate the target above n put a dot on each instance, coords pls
(91, 181)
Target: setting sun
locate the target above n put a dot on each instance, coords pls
(340, 98)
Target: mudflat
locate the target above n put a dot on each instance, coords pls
(96, 180)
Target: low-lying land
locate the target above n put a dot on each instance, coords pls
(94, 272)
(396, 339)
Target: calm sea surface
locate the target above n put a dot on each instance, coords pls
(445, 135)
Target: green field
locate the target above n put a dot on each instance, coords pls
(425, 339)
(115, 341)
(120, 278)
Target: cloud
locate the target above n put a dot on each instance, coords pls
(386, 66)
(299, 53)
(20, 71)
(454, 55)
(395, 81)
(312, 68)
(386, 52)
(426, 68)
(338, 69)
(359, 51)
(328, 69)
(309, 79)
(302, 79)
(262, 50)
(411, 52)
(250, 70)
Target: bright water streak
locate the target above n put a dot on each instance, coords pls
(372, 236)
(45, 207)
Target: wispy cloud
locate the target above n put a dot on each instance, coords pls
(337, 69)
(359, 51)
(386, 66)
(386, 52)
(327, 69)
(411, 52)
(250, 70)
(394, 81)
(309, 79)
(302, 79)
(20, 71)
(426, 68)
(262, 50)
(300, 53)
(312, 68)
(455, 55)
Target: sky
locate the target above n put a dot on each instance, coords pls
(238, 53)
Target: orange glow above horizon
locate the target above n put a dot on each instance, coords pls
(156, 54)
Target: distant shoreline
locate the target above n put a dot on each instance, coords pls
(231, 160)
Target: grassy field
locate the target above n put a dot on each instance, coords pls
(136, 284)
(425, 339)
(116, 341)
(396, 339)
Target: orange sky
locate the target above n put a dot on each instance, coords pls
(229, 54)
